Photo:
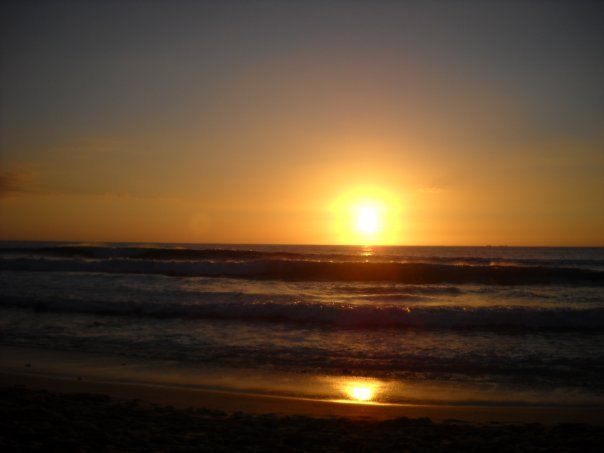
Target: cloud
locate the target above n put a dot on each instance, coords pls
(431, 189)
(14, 183)
(18, 183)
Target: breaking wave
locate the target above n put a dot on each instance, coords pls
(323, 314)
(301, 270)
(476, 256)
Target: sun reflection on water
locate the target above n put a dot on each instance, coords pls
(367, 251)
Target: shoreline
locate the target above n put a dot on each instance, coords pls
(232, 402)
(71, 372)
(39, 420)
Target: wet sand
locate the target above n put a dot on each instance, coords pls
(169, 383)
(183, 398)
(69, 401)
(39, 420)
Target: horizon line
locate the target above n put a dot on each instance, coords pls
(283, 244)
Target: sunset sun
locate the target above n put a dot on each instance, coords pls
(367, 217)
(367, 221)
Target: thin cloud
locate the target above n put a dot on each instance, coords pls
(14, 183)
(431, 189)
(18, 183)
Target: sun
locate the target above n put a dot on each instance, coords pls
(368, 219)
(367, 216)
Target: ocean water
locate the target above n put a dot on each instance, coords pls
(442, 325)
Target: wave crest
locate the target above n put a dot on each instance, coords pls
(411, 273)
(338, 314)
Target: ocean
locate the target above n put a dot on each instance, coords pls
(419, 325)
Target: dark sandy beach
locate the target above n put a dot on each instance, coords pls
(174, 384)
(46, 412)
(39, 420)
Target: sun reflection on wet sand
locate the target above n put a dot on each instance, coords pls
(361, 393)
(359, 390)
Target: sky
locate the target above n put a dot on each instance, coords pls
(457, 123)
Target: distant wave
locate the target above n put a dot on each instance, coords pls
(272, 269)
(141, 253)
(241, 255)
(346, 315)
(388, 290)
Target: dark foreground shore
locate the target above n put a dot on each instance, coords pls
(38, 420)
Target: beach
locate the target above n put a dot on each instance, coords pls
(41, 420)
(57, 400)
(175, 385)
